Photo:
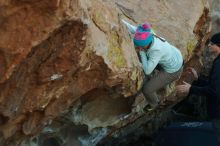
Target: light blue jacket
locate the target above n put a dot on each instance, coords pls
(162, 53)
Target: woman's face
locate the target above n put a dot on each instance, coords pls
(143, 48)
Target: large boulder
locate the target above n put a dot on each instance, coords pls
(61, 54)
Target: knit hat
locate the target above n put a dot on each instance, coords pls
(143, 35)
(215, 39)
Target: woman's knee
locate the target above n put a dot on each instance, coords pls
(146, 89)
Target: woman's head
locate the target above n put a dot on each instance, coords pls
(143, 35)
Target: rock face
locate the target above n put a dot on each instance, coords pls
(74, 60)
(215, 15)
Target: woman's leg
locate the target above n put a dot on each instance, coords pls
(157, 82)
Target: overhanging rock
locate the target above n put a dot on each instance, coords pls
(66, 63)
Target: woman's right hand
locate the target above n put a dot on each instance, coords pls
(137, 49)
(193, 72)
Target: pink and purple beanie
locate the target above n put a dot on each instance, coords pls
(143, 35)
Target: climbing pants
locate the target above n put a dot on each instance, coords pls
(157, 82)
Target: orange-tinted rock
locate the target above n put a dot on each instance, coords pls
(54, 53)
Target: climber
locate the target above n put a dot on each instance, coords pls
(209, 88)
(154, 51)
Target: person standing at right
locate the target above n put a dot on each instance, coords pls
(210, 88)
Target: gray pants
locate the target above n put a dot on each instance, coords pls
(157, 82)
(216, 126)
